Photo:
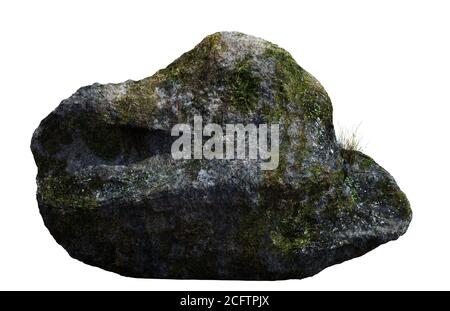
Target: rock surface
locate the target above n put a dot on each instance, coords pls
(111, 194)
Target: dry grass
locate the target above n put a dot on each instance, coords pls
(349, 139)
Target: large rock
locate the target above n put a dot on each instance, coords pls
(111, 194)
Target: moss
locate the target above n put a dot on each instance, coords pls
(402, 203)
(367, 162)
(179, 70)
(288, 246)
(274, 113)
(192, 65)
(199, 70)
(70, 192)
(298, 214)
(329, 186)
(352, 185)
(291, 220)
(214, 42)
(390, 193)
(293, 211)
(317, 172)
(292, 84)
(356, 157)
(300, 150)
(245, 86)
(276, 176)
(196, 71)
(385, 188)
(138, 104)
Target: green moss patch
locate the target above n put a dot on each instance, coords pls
(245, 86)
(70, 192)
(293, 84)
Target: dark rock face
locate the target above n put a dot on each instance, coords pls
(111, 194)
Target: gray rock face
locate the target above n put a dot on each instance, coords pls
(112, 195)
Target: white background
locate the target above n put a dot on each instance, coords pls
(385, 64)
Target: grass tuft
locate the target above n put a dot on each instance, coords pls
(349, 139)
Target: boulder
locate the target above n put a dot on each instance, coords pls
(111, 193)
